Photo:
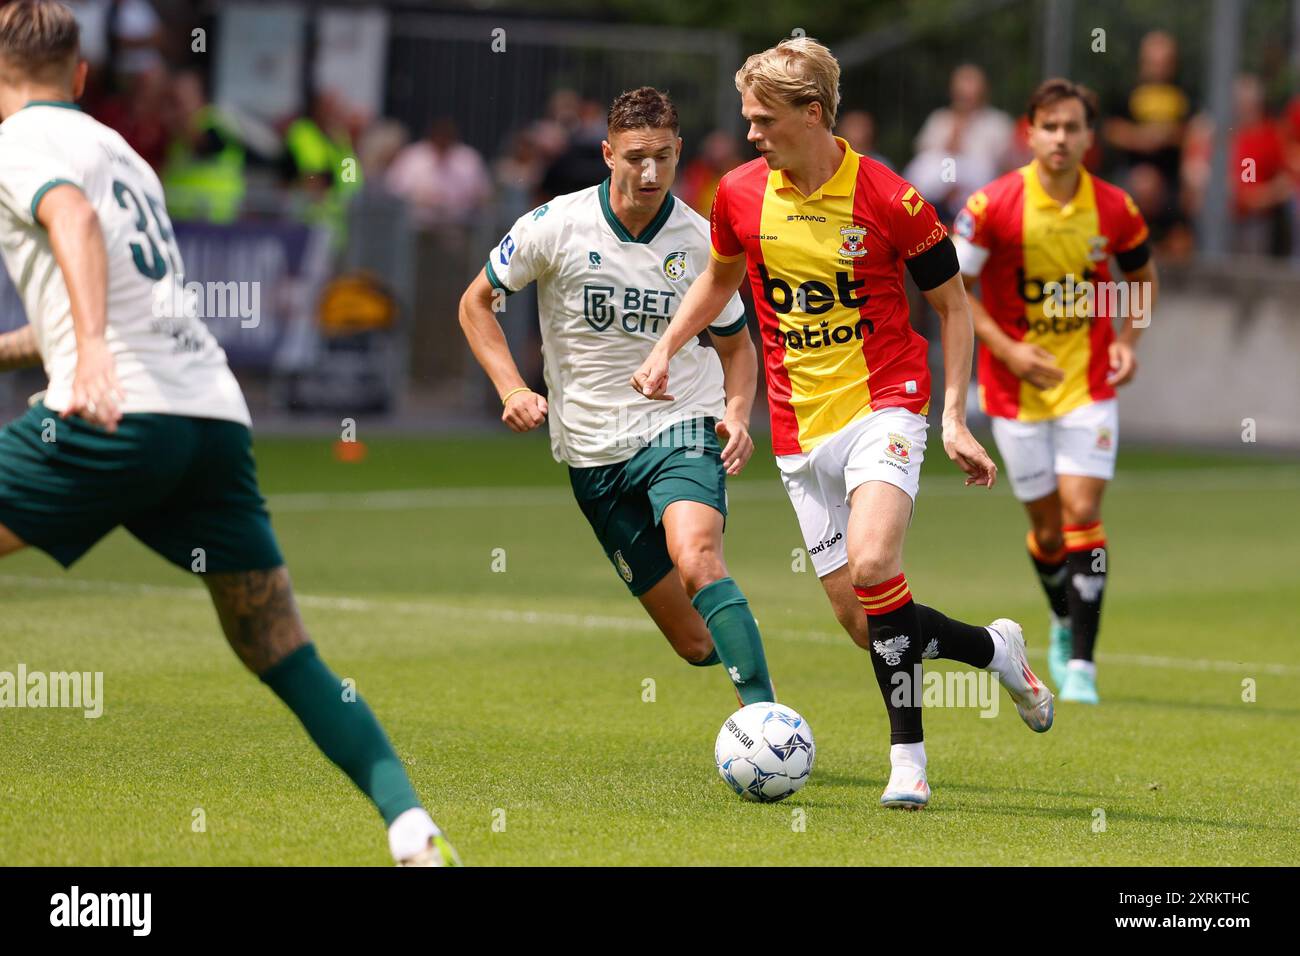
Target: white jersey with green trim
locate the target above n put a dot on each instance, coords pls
(166, 359)
(604, 300)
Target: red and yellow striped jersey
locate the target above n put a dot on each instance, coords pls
(1027, 241)
(827, 276)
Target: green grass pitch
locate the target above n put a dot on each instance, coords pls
(516, 697)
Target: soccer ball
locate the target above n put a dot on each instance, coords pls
(765, 752)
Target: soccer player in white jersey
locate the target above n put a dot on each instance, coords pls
(143, 424)
(611, 264)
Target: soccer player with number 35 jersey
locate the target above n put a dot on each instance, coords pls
(1039, 242)
(824, 235)
(143, 425)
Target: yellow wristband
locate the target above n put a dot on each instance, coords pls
(514, 391)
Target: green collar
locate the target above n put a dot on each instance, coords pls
(649, 232)
(63, 104)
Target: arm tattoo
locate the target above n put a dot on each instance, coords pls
(258, 614)
(18, 349)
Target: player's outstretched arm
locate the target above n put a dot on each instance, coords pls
(18, 349)
(739, 380)
(1145, 285)
(703, 303)
(950, 300)
(524, 408)
(78, 246)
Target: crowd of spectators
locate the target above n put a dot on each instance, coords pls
(220, 164)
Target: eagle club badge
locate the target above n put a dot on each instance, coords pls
(623, 568)
(1104, 439)
(1097, 251)
(892, 649)
(854, 245)
(899, 448)
(675, 266)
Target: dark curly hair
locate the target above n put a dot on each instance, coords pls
(642, 108)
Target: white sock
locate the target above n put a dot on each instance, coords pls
(1001, 657)
(410, 833)
(1076, 664)
(911, 755)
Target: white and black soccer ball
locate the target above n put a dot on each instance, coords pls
(765, 752)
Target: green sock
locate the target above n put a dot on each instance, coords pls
(345, 730)
(735, 638)
(709, 661)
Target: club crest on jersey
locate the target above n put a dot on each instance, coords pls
(1097, 249)
(675, 266)
(623, 568)
(899, 448)
(854, 245)
(964, 225)
(593, 259)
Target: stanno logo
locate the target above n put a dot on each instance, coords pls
(912, 201)
(593, 259)
(802, 218)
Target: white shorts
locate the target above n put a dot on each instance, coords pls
(1081, 442)
(888, 445)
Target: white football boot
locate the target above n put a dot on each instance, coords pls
(1032, 698)
(415, 840)
(907, 788)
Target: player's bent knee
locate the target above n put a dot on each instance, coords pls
(1081, 512)
(871, 566)
(698, 568)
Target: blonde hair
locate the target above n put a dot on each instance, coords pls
(795, 72)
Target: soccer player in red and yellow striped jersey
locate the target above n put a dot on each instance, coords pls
(824, 235)
(1039, 242)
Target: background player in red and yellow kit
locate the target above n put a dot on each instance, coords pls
(825, 234)
(1039, 241)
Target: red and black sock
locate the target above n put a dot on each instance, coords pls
(1086, 560)
(894, 626)
(1052, 575)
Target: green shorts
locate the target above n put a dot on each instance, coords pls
(186, 487)
(625, 501)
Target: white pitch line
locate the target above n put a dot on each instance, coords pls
(604, 622)
(1192, 481)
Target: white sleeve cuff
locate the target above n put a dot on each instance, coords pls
(970, 257)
